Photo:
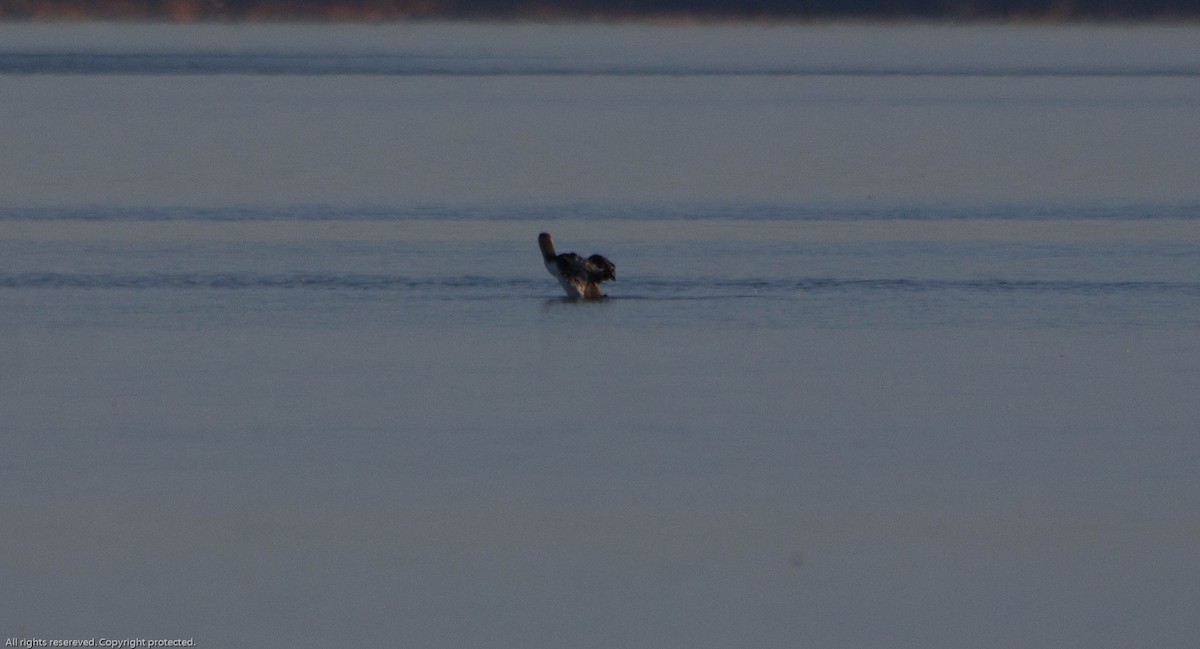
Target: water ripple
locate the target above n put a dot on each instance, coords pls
(393, 64)
(240, 281)
(760, 212)
(643, 288)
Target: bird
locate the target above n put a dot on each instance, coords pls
(579, 277)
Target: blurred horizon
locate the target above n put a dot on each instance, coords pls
(668, 10)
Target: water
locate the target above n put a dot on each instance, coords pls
(902, 352)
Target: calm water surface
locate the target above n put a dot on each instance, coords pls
(903, 349)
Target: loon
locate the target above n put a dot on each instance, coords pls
(579, 277)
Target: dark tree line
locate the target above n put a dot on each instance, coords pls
(189, 10)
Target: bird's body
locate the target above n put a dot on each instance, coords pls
(580, 277)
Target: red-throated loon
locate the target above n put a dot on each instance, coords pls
(579, 277)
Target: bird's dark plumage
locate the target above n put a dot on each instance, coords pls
(580, 277)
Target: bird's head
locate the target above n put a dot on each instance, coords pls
(547, 246)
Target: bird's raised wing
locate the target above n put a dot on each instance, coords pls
(594, 269)
(601, 268)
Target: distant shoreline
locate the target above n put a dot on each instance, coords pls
(661, 11)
